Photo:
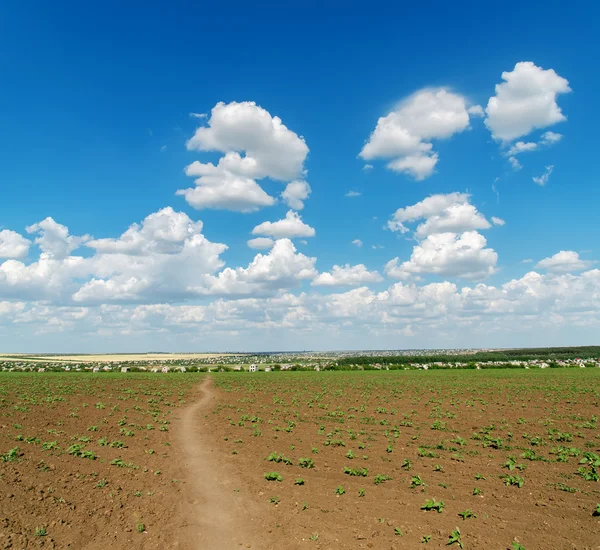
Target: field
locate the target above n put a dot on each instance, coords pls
(505, 459)
(88, 460)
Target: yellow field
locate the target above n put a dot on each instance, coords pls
(109, 358)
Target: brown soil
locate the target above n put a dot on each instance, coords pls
(203, 486)
(83, 502)
(393, 416)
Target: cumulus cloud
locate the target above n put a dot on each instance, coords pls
(525, 101)
(218, 187)
(281, 268)
(498, 221)
(405, 134)
(255, 144)
(565, 261)
(162, 232)
(448, 255)
(357, 242)
(352, 194)
(543, 179)
(13, 244)
(290, 227)
(54, 239)
(261, 243)
(442, 214)
(347, 276)
(295, 193)
(466, 315)
(418, 166)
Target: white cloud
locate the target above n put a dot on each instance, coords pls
(352, 194)
(521, 147)
(367, 167)
(281, 268)
(199, 115)
(54, 238)
(515, 164)
(276, 151)
(448, 255)
(528, 261)
(405, 134)
(217, 187)
(261, 243)
(163, 232)
(418, 166)
(543, 179)
(295, 193)
(164, 258)
(476, 110)
(525, 101)
(270, 150)
(442, 214)
(13, 244)
(549, 138)
(290, 227)
(498, 221)
(347, 276)
(565, 261)
(357, 242)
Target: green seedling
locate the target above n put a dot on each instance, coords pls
(467, 514)
(433, 504)
(454, 538)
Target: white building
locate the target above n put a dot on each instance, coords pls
(252, 368)
(124, 369)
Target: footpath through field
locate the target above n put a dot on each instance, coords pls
(216, 516)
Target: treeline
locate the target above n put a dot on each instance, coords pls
(528, 354)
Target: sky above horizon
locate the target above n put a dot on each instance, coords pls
(250, 178)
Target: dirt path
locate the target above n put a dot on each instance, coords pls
(216, 516)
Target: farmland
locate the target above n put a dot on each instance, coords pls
(87, 459)
(396, 460)
(505, 458)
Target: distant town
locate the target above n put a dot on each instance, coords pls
(536, 358)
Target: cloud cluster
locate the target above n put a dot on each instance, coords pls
(404, 312)
(255, 146)
(449, 244)
(405, 134)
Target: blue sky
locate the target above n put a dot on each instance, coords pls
(397, 105)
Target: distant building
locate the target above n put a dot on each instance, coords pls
(252, 368)
(124, 369)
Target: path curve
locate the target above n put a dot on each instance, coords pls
(216, 516)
